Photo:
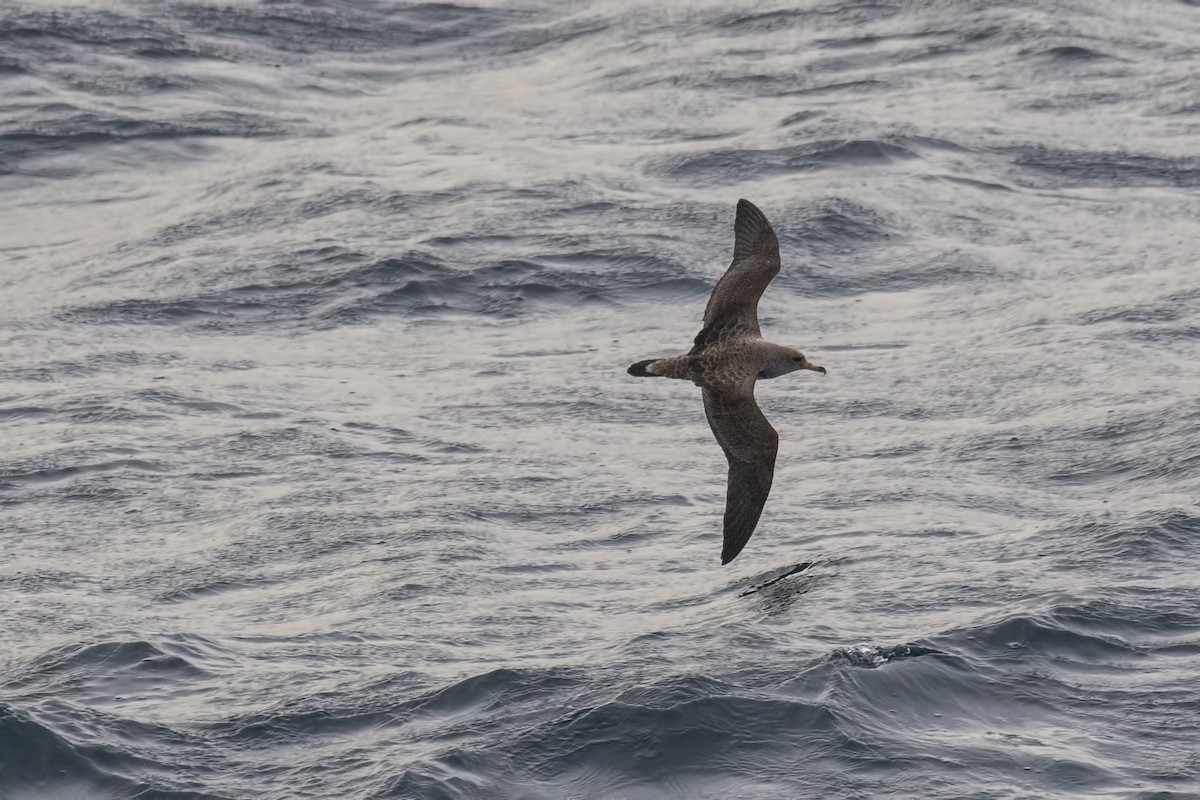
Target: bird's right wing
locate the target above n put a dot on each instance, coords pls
(750, 445)
(733, 306)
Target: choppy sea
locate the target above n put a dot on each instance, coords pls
(321, 475)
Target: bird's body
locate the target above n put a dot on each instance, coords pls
(729, 355)
(727, 363)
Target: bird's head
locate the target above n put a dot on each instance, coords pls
(787, 360)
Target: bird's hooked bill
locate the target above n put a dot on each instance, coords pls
(814, 367)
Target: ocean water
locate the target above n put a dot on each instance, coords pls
(321, 475)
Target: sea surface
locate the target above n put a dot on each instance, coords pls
(321, 475)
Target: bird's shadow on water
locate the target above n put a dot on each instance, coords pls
(787, 573)
(778, 593)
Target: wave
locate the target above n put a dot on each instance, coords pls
(725, 167)
(84, 130)
(415, 284)
(57, 743)
(1042, 165)
(40, 763)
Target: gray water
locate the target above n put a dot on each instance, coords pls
(321, 475)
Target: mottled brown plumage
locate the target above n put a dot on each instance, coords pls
(728, 356)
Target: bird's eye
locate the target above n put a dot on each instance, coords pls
(797, 359)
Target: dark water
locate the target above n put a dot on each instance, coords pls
(322, 477)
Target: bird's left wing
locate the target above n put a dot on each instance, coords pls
(750, 445)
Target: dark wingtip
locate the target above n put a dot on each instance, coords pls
(731, 550)
(638, 370)
(751, 230)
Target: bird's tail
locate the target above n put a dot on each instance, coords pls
(639, 370)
